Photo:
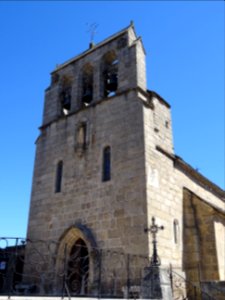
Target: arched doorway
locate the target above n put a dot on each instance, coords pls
(78, 268)
(77, 261)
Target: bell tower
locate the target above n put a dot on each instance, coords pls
(109, 68)
(94, 150)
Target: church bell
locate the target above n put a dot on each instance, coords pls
(111, 82)
(87, 96)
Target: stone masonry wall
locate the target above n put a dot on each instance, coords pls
(125, 46)
(114, 210)
(145, 180)
(201, 253)
(165, 184)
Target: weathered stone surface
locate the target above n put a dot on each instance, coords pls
(156, 284)
(147, 179)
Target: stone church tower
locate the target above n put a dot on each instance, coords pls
(105, 164)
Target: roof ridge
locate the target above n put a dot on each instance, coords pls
(106, 40)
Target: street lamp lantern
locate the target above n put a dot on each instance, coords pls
(153, 229)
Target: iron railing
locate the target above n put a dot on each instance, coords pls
(183, 289)
(44, 268)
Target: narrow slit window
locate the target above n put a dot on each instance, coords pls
(106, 168)
(82, 136)
(59, 173)
(176, 231)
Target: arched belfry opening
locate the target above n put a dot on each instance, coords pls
(110, 74)
(65, 96)
(78, 268)
(77, 261)
(87, 85)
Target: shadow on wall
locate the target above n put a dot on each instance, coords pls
(203, 240)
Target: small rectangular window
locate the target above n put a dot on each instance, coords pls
(59, 173)
(176, 231)
(106, 168)
(82, 136)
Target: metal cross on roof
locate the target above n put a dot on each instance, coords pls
(92, 30)
(153, 229)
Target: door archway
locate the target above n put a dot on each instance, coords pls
(78, 268)
(77, 250)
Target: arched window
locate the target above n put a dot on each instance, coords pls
(176, 231)
(87, 85)
(106, 166)
(110, 74)
(58, 179)
(65, 96)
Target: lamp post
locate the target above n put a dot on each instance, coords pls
(153, 229)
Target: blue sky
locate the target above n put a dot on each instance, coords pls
(184, 42)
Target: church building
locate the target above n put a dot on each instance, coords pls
(105, 166)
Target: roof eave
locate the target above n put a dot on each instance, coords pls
(107, 40)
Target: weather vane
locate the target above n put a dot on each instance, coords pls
(92, 30)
